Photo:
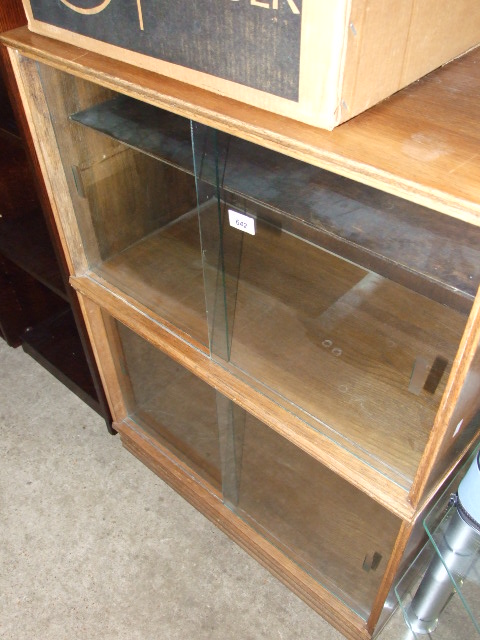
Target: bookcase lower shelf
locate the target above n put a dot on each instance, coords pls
(56, 345)
(170, 470)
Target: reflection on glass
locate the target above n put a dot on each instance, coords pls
(454, 621)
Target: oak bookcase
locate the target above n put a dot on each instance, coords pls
(311, 383)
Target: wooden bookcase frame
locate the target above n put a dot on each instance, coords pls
(407, 146)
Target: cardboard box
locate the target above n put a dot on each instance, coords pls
(317, 61)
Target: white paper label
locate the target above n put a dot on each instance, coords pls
(459, 426)
(241, 221)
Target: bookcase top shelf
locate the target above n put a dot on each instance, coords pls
(421, 144)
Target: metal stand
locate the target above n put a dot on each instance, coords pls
(456, 552)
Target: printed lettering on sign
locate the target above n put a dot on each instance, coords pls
(255, 43)
(100, 6)
(96, 8)
(274, 5)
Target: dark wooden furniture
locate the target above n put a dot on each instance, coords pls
(38, 310)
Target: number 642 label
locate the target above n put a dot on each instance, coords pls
(241, 221)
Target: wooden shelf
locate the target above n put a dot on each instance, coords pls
(347, 328)
(404, 241)
(26, 242)
(311, 305)
(405, 146)
(291, 317)
(163, 271)
(55, 344)
(112, 219)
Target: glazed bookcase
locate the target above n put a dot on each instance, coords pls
(286, 320)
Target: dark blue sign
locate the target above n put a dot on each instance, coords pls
(252, 42)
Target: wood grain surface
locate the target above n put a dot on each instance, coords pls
(420, 144)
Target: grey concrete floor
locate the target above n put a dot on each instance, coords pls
(94, 545)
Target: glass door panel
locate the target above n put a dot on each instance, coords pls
(130, 170)
(320, 309)
(332, 530)
(169, 403)
(464, 424)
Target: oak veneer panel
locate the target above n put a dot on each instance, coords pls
(48, 156)
(107, 351)
(195, 106)
(353, 155)
(409, 145)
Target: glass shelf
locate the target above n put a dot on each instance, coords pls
(160, 134)
(377, 229)
(457, 578)
(454, 621)
(434, 254)
(362, 219)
